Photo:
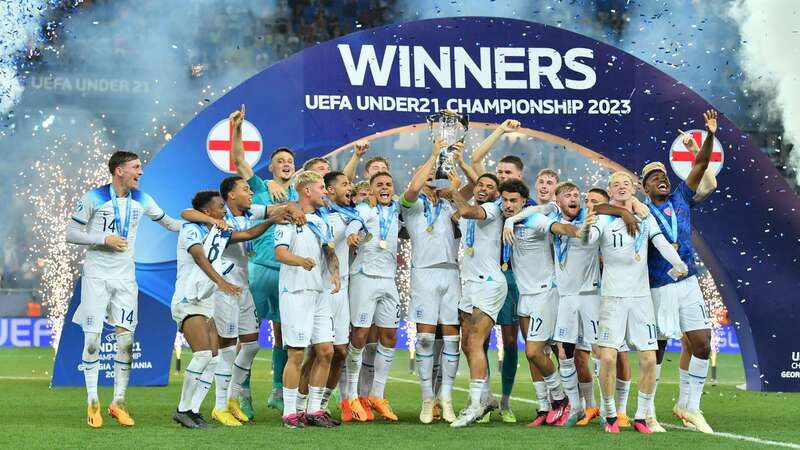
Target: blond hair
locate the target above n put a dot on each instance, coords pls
(614, 176)
(549, 172)
(305, 178)
(566, 186)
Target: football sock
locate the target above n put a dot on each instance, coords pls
(367, 375)
(122, 365)
(623, 388)
(383, 363)
(91, 364)
(204, 384)
(353, 370)
(241, 367)
(223, 376)
(644, 404)
(698, 370)
(587, 393)
(450, 360)
(569, 376)
(191, 378)
(424, 358)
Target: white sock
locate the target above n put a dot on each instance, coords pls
(698, 370)
(289, 401)
(315, 395)
(190, 378)
(644, 403)
(344, 383)
(683, 388)
(367, 375)
(204, 384)
(301, 402)
(450, 360)
(541, 395)
(352, 370)
(122, 365)
(608, 407)
(476, 388)
(91, 364)
(326, 397)
(424, 358)
(223, 376)
(569, 376)
(623, 388)
(587, 394)
(383, 363)
(652, 411)
(438, 361)
(554, 387)
(241, 367)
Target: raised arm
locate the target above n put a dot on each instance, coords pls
(479, 154)
(466, 210)
(703, 157)
(472, 176)
(202, 261)
(359, 150)
(243, 168)
(421, 175)
(708, 184)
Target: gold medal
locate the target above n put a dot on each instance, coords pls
(637, 258)
(562, 266)
(251, 254)
(367, 237)
(470, 251)
(676, 246)
(429, 229)
(331, 244)
(504, 267)
(383, 244)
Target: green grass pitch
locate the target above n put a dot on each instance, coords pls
(36, 416)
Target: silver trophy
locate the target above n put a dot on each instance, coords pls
(452, 128)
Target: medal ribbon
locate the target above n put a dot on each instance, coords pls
(386, 222)
(670, 229)
(561, 253)
(121, 228)
(431, 219)
(248, 245)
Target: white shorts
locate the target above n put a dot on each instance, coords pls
(191, 307)
(306, 318)
(488, 296)
(542, 309)
(115, 302)
(235, 316)
(340, 309)
(578, 319)
(374, 300)
(435, 293)
(628, 320)
(679, 308)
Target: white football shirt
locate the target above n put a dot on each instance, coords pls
(301, 241)
(581, 272)
(438, 246)
(623, 275)
(532, 256)
(484, 264)
(96, 211)
(370, 258)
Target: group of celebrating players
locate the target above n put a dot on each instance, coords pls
(317, 255)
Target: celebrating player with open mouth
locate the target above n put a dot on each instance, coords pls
(107, 219)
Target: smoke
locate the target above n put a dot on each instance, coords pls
(694, 42)
(577, 16)
(770, 56)
(20, 23)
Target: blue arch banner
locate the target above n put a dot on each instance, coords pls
(559, 84)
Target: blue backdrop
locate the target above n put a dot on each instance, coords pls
(629, 111)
